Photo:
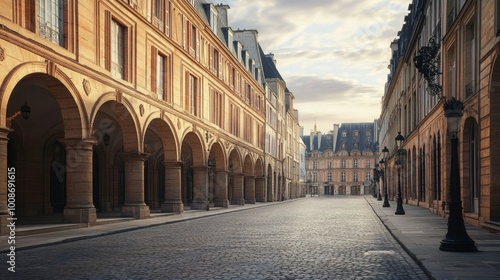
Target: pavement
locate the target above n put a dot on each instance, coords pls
(419, 232)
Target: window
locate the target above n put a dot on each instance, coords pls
(192, 95)
(315, 176)
(355, 163)
(355, 176)
(342, 177)
(161, 15)
(329, 164)
(315, 165)
(117, 50)
(190, 38)
(214, 61)
(368, 164)
(368, 176)
(342, 163)
(344, 134)
(51, 20)
(234, 121)
(470, 60)
(330, 176)
(160, 76)
(248, 128)
(216, 108)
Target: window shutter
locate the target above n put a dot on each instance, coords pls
(154, 53)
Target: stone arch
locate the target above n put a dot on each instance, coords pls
(235, 178)
(248, 166)
(259, 168)
(170, 140)
(193, 139)
(217, 176)
(58, 84)
(57, 115)
(121, 113)
(219, 156)
(194, 171)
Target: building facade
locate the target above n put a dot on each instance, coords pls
(446, 49)
(342, 161)
(128, 106)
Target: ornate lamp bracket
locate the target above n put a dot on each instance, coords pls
(427, 63)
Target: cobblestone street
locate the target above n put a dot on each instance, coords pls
(328, 237)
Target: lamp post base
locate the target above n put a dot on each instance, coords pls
(399, 208)
(457, 239)
(386, 201)
(458, 245)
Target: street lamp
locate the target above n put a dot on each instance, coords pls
(379, 174)
(456, 239)
(399, 164)
(385, 151)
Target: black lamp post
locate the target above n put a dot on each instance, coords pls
(385, 151)
(399, 164)
(379, 174)
(456, 239)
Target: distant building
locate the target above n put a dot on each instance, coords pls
(341, 162)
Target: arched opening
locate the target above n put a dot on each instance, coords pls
(270, 185)
(121, 180)
(37, 147)
(470, 159)
(194, 172)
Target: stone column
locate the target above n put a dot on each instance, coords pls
(238, 181)
(173, 190)
(4, 185)
(220, 185)
(260, 189)
(134, 205)
(79, 197)
(250, 189)
(200, 188)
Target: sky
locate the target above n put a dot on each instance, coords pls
(332, 54)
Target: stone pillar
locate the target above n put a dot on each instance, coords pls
(4, 185)
(79, 185)
(173, 190)
(134, 205)
(250, 189)
(238, 181)
(220, 185)
(260, 189)
(200, 188)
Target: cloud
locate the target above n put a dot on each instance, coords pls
(333, 55)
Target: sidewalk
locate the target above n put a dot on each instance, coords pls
(420, 232)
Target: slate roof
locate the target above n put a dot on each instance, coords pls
(270, 70)
(360, 142)
(323, 142)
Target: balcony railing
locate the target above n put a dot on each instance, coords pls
(470, 89)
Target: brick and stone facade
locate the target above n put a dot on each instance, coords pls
(134, 106)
